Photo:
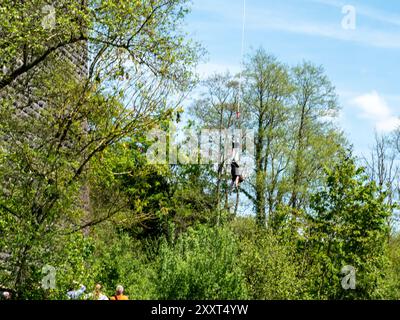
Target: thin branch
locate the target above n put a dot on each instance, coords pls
(26, 67)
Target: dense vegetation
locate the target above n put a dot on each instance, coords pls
(79, 192)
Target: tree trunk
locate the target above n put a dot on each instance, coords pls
(296, 173)
(260, 178)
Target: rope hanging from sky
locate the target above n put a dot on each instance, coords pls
(236, 125)
(241, 61)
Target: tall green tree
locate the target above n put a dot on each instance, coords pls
(267, 92)
(216, 110)
(347, 227)
(315, 138)
(56, 124)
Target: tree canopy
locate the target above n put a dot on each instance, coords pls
(83, 87)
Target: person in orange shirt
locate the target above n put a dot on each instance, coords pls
(119, 294)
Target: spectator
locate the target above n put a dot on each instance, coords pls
(97, 294)
(119, 294)
(6, 295)
(76, 294)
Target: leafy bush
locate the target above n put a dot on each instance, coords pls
(123, 260)
(269, 266)
(201, 264)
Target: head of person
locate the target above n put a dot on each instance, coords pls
(120, 290)
(6, 295)
(97, 288)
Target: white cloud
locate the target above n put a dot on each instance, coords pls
(388, 125)
(375, 108)
(372, 105)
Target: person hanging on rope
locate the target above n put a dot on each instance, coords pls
(236, 172)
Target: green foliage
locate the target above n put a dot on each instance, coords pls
(51, 161)
(348, 227)
(72, 259)
(269, 266)
(126, 261)
(201, 264)
(74, 263)
(390, 286)
(77, 192)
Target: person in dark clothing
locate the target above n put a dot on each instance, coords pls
(236, 174)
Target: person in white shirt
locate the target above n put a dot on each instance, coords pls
(76, 294)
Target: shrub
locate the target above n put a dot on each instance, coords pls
(201, 264)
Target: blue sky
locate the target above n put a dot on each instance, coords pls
(363, 63)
